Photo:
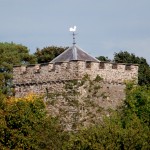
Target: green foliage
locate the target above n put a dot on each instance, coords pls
(138, 102)
(144, 68)
(126, 57)
(24, 124)
(110, 135)
(48, 53)
(12, 54)
(103, 58)
(98, 78)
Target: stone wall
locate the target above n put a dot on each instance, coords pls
(94, 99)
(49, 77)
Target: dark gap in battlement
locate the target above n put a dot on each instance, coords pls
(128, 67)
(101, 65)
(88, 64)
(114, 66)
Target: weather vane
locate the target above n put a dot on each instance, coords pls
(73, 33)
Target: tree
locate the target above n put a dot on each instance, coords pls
(110, 135)
(144, 68)
(25, 124)
(48, 53)
(138, 102)
(12, 54)
(103, 58)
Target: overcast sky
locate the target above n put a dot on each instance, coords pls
(103, 26)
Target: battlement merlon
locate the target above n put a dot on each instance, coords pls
(110, 72)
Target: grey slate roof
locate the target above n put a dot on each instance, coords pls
(74, 53)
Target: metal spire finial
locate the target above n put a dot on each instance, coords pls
(74, 39)
(73, 30)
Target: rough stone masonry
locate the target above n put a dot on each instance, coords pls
(74, 64)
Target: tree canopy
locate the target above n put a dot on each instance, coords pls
(25, 124)
(103, 58)
(12, 54)
(47, 54)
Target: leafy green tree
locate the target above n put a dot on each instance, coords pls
(12, 54)
(25, 124)
(48, 53)
(103, 58)
(138, 102)
(144, 68)
(111, 134)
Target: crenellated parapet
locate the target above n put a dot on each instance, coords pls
(113, 72)
(110, 72)
(44, 72)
